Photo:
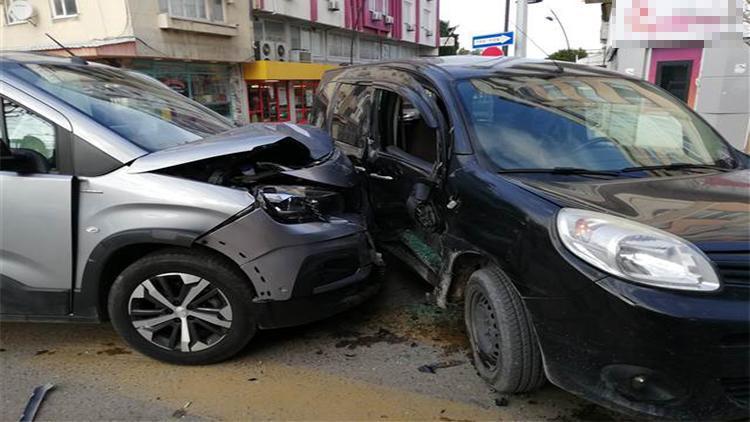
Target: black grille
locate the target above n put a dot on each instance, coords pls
(734, 267)
(738, 389)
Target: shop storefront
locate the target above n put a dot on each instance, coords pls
(282, 91)
(206, 83)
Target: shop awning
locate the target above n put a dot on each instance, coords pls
(284, 71)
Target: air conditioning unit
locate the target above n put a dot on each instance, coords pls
(282, 52)
(264, 50)
(302, 56)
(376, 16)
(410, 27)
(388, 20)
(334, 5)
(428, 32)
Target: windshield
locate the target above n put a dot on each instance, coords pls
(137, 108)
(594, 123)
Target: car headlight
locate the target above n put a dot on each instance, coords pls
(635, 251)
(299, 204)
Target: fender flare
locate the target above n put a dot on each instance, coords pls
(86, 299)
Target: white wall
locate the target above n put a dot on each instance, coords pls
(96, 20)
(724, 90)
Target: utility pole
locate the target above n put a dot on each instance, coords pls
(507, 24)
(522, 23)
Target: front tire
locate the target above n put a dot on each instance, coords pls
(504, 345)
(184, 307)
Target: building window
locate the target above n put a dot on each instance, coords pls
(212, 10)
(378, 6)
(64, 8)
(408, 11)
(304, 95)
(207, 84)
(317, 45)
(427, 23)
(269, 101)
(339, 45)
(274, 31)
(300, 38)
(369, 50)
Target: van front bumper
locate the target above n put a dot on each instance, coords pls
(643, 350)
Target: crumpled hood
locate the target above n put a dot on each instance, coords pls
(708, 210)
(243, 139)
(321, 162)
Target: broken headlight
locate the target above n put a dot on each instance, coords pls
(635, 252)
(300, 204)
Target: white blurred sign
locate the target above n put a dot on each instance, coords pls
(677, 20)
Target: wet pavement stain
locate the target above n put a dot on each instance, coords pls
(382, 336)
(114, 351)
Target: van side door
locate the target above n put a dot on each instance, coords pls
(403, 168)
(36, 208)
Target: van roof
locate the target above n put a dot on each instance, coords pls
(466, 66)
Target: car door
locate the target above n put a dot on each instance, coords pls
(36, 210)
(403, 163)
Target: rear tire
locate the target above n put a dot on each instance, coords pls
(184, 307)
(503, 342)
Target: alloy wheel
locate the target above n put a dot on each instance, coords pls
(485, 329)
(180, 312)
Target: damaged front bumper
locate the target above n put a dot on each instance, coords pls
(649, 351)
(301, 272)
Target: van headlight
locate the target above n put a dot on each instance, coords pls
(635, 251)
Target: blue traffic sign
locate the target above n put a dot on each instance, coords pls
(503, 38)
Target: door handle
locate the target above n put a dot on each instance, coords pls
(380, 176)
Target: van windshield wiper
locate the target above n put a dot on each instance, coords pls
(676, 166)
(563, 170)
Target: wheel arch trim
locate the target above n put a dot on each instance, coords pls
(87, 298)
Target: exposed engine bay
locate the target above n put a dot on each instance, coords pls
(297, 177)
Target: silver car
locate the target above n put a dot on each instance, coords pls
(123, 200)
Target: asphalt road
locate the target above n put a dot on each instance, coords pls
(360, 365)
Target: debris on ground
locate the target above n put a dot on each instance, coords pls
(181, 412)
(430, 368)
(382, 336)
(350, 355)
(44, 352)
(501, 402)
(35, 402)
(2, 350)
(114, 351)
(318, 352)
(252, 379)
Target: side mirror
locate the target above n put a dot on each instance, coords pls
(19, 162)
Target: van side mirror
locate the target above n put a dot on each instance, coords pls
(19, 162)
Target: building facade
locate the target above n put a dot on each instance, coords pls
(713, 78)
(296, 41)
(194, 46)
(249, 60)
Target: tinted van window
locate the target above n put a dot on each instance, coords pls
(597, 123)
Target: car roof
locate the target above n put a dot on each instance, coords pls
(471, 66)
(28, 57)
